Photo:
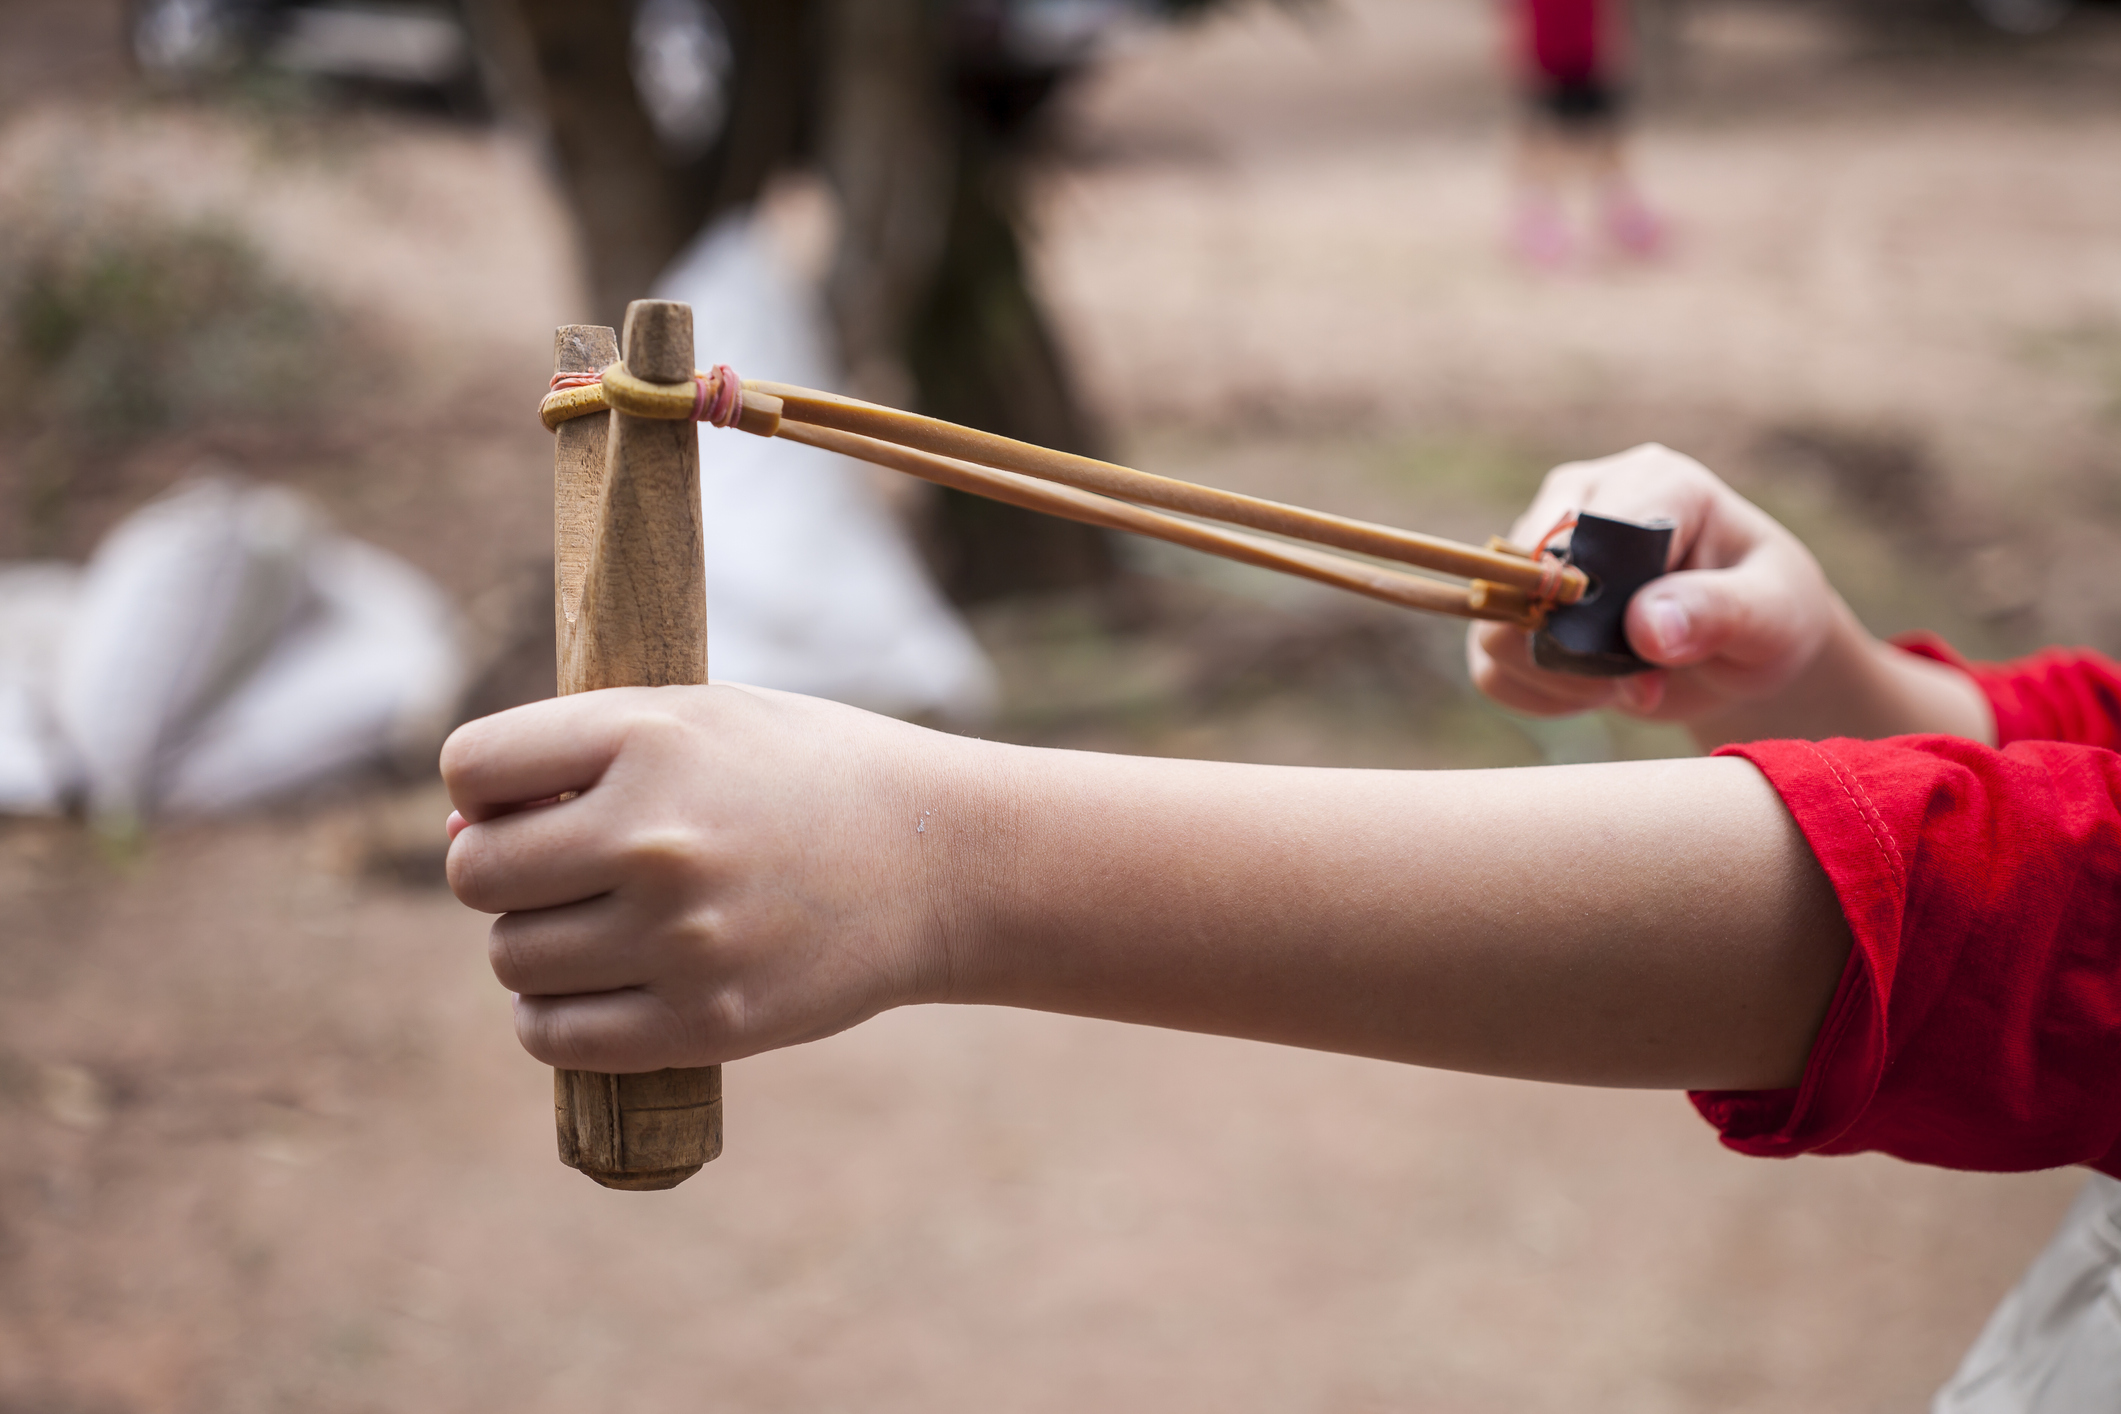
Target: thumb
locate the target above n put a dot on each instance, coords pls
(1695, 615)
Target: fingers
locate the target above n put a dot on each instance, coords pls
(1643, 484)
(1740, 605)
(541, 858)
(614, 1033)
(1690, 617)
(1653, 483)
(696, 893)
(1755, 614)
(598, 945)
(1499, 657)
(1641, 694)
(536, 751)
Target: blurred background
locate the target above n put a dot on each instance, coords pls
(277, 286)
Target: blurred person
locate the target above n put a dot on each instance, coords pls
(1570, 62)
(1884, 915)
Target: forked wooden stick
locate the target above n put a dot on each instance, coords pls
(630, 591)
(630, 610)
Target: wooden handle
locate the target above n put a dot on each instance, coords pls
(630, 610)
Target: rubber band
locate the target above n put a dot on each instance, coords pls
(1553, 565)
(717, 397)
(572, 395)
(718, 408)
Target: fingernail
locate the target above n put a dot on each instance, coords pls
(454, 824)
(1667, 620)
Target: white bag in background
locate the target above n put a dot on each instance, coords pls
(222, 646)
(371, 675)
(38, 771)
(178, 604)
(812, 583)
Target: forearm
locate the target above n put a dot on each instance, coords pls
(1857, 686)
(1651, 924)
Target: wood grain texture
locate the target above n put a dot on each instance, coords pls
(631, 606)
(643, 615)
(577, 476)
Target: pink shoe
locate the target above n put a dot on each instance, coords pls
(1633, 228)
(1539, 237)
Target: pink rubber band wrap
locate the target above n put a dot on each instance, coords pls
(1552, 566)
(717, 397)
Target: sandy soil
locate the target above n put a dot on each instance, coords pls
(266, 1141)
(271, 1146)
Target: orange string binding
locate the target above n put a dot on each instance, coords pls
(1553, 564)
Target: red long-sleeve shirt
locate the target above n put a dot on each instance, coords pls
(1978, 1023)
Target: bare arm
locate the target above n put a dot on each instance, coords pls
(1650, 924)
(745, 870)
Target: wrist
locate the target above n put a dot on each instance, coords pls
(1829, 677)
(969, 868)
(1856, 685)
(1067, 860)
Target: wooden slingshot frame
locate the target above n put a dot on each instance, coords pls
(630, 590)
(630, 610)
(1505, 583)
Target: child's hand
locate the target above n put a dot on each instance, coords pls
(1744, 612)
(736, 869)
(1750, 640)
(740, 870)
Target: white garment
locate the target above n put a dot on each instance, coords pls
(37, 766)
(222, 646)
(372, 673)
(2054, 1345)
(179, 604)
(812, 585)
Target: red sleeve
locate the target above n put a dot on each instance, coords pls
(1978, 1024)
(1561, 38)
(2060, 694)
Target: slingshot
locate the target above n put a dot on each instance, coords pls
(1505, 583)
(630, 598)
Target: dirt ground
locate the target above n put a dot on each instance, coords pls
(266, 1140)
